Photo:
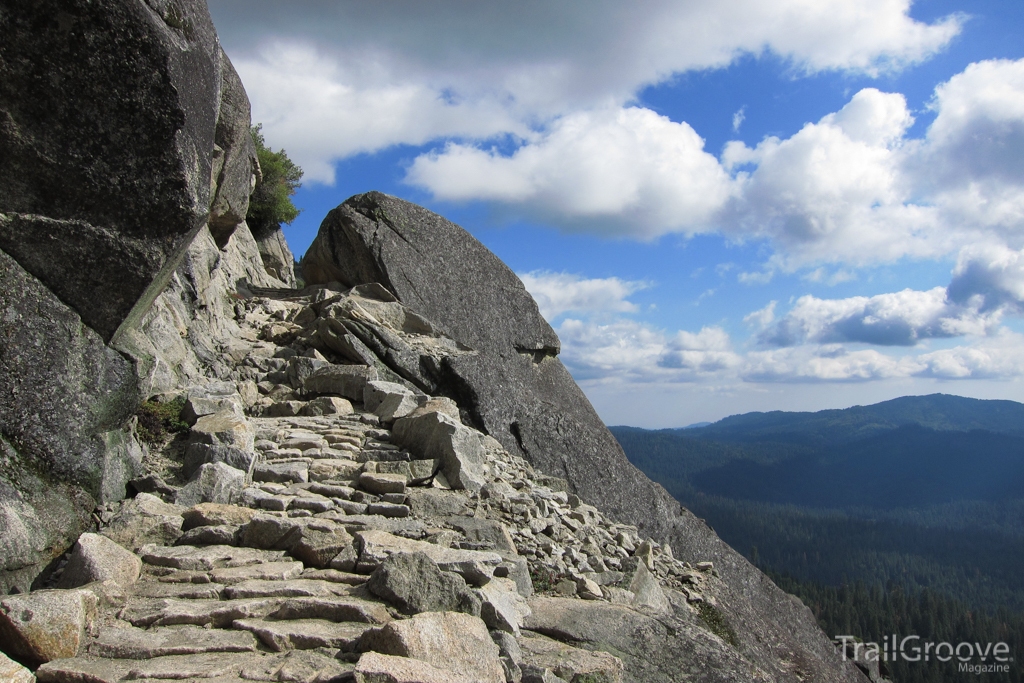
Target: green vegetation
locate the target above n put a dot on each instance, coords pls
(270, 204)
(158, 420)
(544, 579)
(716, 623)
(871, 612)
(906, 517)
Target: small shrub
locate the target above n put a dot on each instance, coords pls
(157, 420)
(544, 579)
(270, 204)
(716, 623)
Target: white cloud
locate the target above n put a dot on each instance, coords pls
(477, 69)
(1000, 357)
(851, 189)
(829, 363)
(761, 318)
(625, 171)
(832, 191)
(989, 277)
(559, 293)
(321, 110)
(738, 118)
(627, 351)
(854, 189)
(894, 319)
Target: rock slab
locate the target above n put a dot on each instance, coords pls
(445, 640)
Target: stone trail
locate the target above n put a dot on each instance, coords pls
(329, 521)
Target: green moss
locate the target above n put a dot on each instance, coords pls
(716, 623)
(590, 678)
(158, 420)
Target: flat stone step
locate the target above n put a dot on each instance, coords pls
(332, 609)
(293, 588)
(304, 634)
(183, 591)
(137, 643)
(206, 558)
(212, 667)
(281, 472)
(148, 612)
(270, 571)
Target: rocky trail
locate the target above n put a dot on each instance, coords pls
(320, 523)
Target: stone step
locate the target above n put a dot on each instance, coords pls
(207, 558)
(137, 643)
(148, 612)
(292, 588)
(304, 634)
(297, 665)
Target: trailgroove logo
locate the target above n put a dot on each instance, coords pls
(971, 657)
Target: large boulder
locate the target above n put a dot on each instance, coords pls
(440, 437)
(504, 373)
(97, 558)
(108, 114)
(414, 583)
(277, 257)
(46, 625)
(513, 387)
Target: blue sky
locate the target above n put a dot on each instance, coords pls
(746, 206)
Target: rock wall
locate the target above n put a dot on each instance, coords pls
(108, 113)
(127, 169)
(181, 338)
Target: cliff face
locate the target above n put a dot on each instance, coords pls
(387, 476)
(127, 162)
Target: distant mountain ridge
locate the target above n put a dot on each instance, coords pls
(940, 412)
(926, 491)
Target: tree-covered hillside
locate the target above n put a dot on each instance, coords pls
(905, 516)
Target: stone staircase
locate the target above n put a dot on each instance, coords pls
(331, 521)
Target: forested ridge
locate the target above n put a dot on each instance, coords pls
(905, 517)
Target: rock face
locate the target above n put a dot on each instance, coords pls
(107, 159)
(64, 397)
(124, 130)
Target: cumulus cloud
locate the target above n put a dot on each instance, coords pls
(853, 188)
(989, 277)
(614, 170)
(893, 319)
(344, 111)
(480, 68)
(1000, 357)
(630, 352)
(626, 350)
(832, 191)
(762, 318)
(559, 293)
(828, 363)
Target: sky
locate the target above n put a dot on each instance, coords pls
(720, 207)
